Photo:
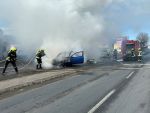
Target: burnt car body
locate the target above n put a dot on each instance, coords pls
(69, 59)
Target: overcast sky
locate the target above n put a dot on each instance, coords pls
(130, 16)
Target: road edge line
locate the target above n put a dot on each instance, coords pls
(102, 101)
(130, 74)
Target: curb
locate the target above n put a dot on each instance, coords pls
(39, 81)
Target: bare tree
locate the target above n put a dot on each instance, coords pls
(143, 38)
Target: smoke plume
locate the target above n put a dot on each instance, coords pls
(63, 25)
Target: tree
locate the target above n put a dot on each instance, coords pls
(143, 38)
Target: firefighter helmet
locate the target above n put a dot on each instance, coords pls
(13, 49)
(40, 50)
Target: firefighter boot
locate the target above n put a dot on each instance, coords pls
(4, 70)
(16, 69)
(40, 66)
(37, 66)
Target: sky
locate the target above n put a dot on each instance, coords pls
(132, 35)
(3, 24)
(131, 16)
(134, 13)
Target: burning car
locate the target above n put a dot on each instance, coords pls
(69, 58)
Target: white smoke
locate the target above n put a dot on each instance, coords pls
(62, 25)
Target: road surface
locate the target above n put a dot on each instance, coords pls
(105, 89)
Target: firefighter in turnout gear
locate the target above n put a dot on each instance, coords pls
(132, 54)
(115, 54)
(11, 58)
(39, 56)
(139, 54)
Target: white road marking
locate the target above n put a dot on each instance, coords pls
(146, 64)
(102, 101)
(120, 60)
(130, 75)
(129, 68)
(136, 64)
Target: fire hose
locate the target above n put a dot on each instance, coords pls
(24, 65)
(2, 62)
(32, 58)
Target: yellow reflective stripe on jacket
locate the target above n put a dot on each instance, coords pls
(7, 58)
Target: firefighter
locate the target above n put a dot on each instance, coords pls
(39, 56)
(133, 54)
(139, 54)
(115, 53)
(11, 58)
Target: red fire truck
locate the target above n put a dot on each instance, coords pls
(130, 50)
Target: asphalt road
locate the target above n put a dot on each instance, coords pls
(76, 94)
(134, 97)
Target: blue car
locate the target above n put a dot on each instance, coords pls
(69, 59)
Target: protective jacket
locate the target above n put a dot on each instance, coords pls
(11, 56)
(40, 54)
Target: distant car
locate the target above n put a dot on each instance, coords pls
(91, 61)
(69, 58)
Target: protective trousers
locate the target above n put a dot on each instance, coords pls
(13, 63)
(39, 63)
